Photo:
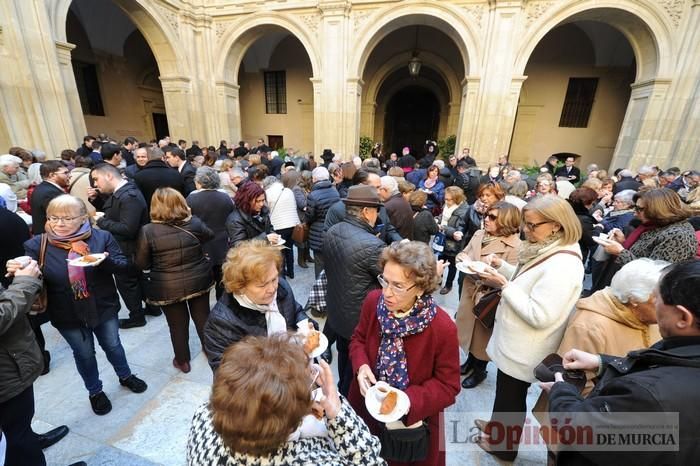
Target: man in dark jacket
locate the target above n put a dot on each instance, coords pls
(626, 181)
(569, 171)
(398, 208)
(662, 379)
(130, 145)
(125, 212)
(175, 158)
(21, 363)
(322, 196)
(157, 174)
(55, 181)
(86, 147)
(468, 183)
(351, 250)
(141, 159)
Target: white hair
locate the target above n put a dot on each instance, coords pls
(646, 170)
(626, 196)
(625, 173)
(39, 155)
(8, 159)
(320, 174)
(390, 183)
(439, 163)
(636, 280)
(357, 162)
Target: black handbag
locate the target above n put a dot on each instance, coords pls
(405, 445)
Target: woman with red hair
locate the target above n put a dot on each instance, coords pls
(251, 217)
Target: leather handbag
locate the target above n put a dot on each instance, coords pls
(485, 309)
(41, 300)
(405, 445)
(300, 234)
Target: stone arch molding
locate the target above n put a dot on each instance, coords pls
(399, 61)
(148, 18)
(643, 23)
(235, 42)
(455, 23)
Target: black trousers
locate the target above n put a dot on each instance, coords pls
(16, 423)
(345, 372)
(509, 411)
(287, 252)
(451, 269)
(318, 262)
(129, 284)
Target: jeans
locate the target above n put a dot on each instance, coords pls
(16, 423)
(82, 343)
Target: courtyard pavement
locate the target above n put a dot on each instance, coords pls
(151, 428)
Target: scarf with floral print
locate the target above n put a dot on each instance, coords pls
(391, 359)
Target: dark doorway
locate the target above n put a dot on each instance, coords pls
(275, 142)
(412, 117)
(160, 124)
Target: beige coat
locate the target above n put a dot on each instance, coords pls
(473, 338)
(79, 184)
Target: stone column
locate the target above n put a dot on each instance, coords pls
(353, 105)
(176, 94)
(63, 52)
(227, 96)
(468, 114)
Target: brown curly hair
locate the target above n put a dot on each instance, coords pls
(418, 262)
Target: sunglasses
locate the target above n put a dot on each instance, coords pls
(638, 208)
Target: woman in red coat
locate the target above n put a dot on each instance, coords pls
(406, 340)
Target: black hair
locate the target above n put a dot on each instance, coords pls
(106, 168)
(679, 286)
(88, 138)
(49, 167)
(176, 151)
(109, 150)
(360, 176)
(130, 140)
(181, 141)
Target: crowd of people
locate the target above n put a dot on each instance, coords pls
(163, 226)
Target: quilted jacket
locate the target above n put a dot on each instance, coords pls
(351, 253)
(322, 196)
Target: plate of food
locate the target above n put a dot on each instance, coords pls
(315, 342)
(88, 260)
(472, 267)
(386, 403)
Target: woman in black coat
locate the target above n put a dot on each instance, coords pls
(257, 301)
(251, 218)
(213, 207)
(171, 246)
(582, 199)
(82, 301)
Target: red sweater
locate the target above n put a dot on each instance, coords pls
(433, 371)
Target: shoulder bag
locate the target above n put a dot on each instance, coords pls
(41, 300)
(485, 308)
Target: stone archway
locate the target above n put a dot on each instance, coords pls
(648, 35)
(235, 43)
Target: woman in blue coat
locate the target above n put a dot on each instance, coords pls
(82, 301)
(434, 188)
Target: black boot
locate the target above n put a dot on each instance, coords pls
(308, 255)
(51, 437)
(301, 258)
(478, 376)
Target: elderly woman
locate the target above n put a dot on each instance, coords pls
(171, 247)
(434, 188)
(264, 386)
(11, 175)
(424, 225)
(212, 207)
(403, 338)
(284, 217)
(499, 237)
(544, 184)
(452, 226)
(536, 300)
(251, 217)
(622, 213)
(258, 301)
(582, 200)
(82, 302)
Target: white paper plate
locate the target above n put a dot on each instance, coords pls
(280, 242)
(322, 346)
(80, 263)
(373, 404)
(602, 241)
(471, 267)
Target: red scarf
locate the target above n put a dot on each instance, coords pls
(636, 233)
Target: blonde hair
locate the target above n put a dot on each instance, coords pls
(248, 261)
(65, 203)
(168, 205)
(457, 194)
(557, 210)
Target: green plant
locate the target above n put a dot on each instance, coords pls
(447, 146)
(366, 145)
(532, 171)
(282, 153)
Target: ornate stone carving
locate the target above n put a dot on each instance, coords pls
(220, 28)
(311, 22)
(535, 9)
(674, 9)
(476, 11)
(171, 17)
(359, 18)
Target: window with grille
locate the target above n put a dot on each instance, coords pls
(88, 88)
(275, 92)
(578, 102)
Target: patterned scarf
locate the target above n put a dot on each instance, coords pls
(391, 359)
(529, 251)
(76, 248)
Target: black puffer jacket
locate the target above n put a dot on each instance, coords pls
(20, 357)
(322, 196)
(456, 222)
(230, 322)
(242, 226)
(351, 253)
(175, 257)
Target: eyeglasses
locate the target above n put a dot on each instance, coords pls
(492, 217)
(396, 289)
(53, 219)
(532, 226)
(638, 208)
